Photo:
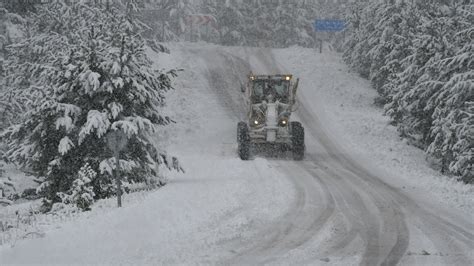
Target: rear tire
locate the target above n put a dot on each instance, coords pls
(240, 125)
(297, 140)
(243, 140)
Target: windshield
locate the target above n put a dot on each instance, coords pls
(258, 88)
(279, 89)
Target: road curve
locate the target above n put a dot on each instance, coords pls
(343, 212)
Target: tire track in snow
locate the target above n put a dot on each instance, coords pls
(373, 212)
(225, 82)
(348, 178)
(304, 220)
(290, 230)
(370, 227)
(393, 206)
(225, 85)
(309, 212)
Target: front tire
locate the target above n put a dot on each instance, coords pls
(243, 141)
(297, 140)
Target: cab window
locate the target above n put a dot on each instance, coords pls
(258, 88)
(281, 88)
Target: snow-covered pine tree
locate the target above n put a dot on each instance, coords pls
(6, 186)
(401, 49)
(231, 21)
(453, 99)
(84, 73)
(391, 44)
(432, 44)
(363, 37)
(180, 11)
(157, 14)
(277, 23)
(290, 25)
(354, 23)
(20, 6)
(264, 23)
(3, 44)
(11, 29)
(258, 23)
(211, 29)
(82, 194)
(425, 74)
(413, 57)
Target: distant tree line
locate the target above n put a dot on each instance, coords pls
(20, 6)
(419, 56)
(271, 23)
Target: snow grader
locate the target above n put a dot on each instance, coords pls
(270, 100)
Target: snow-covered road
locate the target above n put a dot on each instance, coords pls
(334, 208)
(343, 212)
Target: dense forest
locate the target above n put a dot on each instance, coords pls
(419, 56)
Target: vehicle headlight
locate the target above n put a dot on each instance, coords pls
(257, 120)
(283, 122)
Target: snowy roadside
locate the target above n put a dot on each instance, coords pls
(198, 216)
(23, 221)
(345, 104)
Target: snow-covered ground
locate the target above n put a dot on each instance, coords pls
(269, 210)
(216, 199)
(344, 102)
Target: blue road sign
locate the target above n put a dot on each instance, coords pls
(329, 25)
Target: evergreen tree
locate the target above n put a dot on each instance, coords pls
(391, 43)
(6, 186)
(272, 23)
(83, 74)
(81, 193)
(258, 24)
(157, 15)
(180, 12)
(420, 59)
(364, 37)
(20, 6)
(453, 100)
(231, 22)
(290, 26)
(211, 30)
(11, 28)
(3, 44)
